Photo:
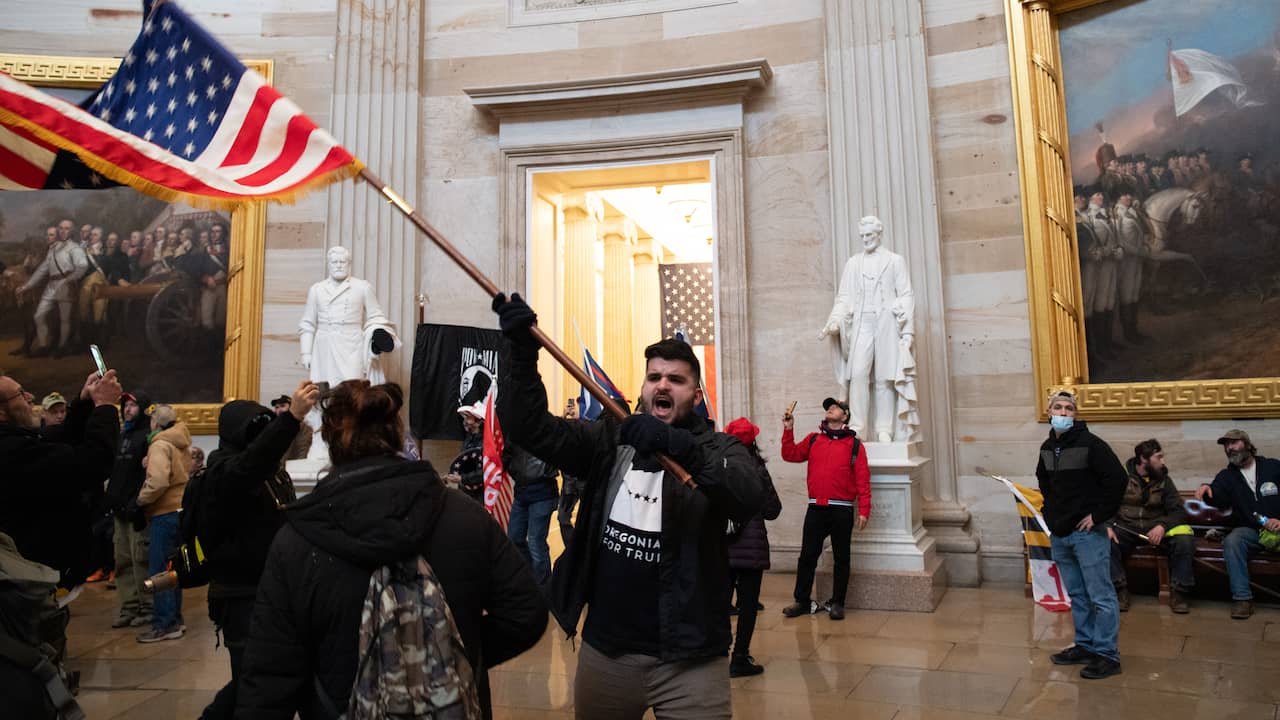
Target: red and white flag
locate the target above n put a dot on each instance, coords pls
(181, 119)
(498, 490)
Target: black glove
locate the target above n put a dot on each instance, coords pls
(648, 435)
(515, 317)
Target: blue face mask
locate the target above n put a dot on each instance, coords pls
(1061, 423)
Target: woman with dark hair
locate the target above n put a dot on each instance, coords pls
(749, 555)
(375, 508)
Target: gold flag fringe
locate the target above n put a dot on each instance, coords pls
(118, 174)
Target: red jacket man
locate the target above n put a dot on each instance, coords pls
(838, 479)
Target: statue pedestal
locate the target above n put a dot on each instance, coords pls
(895, 565)
(305, 473)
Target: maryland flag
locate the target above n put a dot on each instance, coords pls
(1042, 571)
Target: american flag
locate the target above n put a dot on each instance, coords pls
(688, 301)
(498, 490)
(182, 119)
(688, 314)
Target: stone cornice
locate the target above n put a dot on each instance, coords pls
(729, 80)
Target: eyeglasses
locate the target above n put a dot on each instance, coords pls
(21, 393)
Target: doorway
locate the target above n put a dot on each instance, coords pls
(621, 255)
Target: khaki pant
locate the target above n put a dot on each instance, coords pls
(622, 688)
(132, 548)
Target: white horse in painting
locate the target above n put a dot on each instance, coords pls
(1160, 210)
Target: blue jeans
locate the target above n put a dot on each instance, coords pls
(1237, 546)
(1084, 562)
(528, 528)
(164, 540)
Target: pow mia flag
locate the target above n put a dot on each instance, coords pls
(453, 365)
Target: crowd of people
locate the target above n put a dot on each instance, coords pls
(1098, 510)
(390, 588)
(60, 287)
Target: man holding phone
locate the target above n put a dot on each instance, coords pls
(42, 505)
(839, 481)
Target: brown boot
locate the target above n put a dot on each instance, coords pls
(1122, 597)
(1178, 602)
(1241, 609)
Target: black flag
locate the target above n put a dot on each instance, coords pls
(453, 365)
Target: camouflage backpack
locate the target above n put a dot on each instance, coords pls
(412, 661)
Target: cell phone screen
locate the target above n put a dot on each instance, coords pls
(97, 360)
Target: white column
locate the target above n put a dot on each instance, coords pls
(375, 115)
(882, 164)
(619, 235)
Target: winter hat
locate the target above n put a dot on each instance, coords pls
(743, 429)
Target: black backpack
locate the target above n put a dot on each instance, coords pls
(853, 457)
(196, 533)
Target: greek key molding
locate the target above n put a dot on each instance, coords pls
(64, 71)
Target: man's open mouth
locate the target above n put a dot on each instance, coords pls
(663, 402)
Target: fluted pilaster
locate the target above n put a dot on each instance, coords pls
(882, 164)
(376, 116)
(619, 237)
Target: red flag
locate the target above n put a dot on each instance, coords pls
(181, 119)
(498, 490)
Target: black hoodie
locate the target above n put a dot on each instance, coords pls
(127, 474)
(1079, 475)
(376, 511)
(252, 442)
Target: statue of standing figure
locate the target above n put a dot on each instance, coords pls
(874, 318)
(342, 332)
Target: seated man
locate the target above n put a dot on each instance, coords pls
(1250, 486)
(1152, 507)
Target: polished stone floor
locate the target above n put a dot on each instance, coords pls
(983, 654)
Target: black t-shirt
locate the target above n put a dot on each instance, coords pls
(623, 616)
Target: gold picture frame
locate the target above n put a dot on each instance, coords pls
(246, 262)
(1053, 273)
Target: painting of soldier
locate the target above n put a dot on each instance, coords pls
(144, 280)
(1171, 110)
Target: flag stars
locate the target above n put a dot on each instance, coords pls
(169, 130)
(130, 86)
(189, 149)
(147, 28)
(190, 72)
(95, 179)
(130, 114)
(226, 81)
(213, 117)
(173, 79)
(205, 63)
(191, 98)
(152, 56)
(171, 53)
(153, 85)
(148, 135)
(186, 44)
(173, 105)
(192, 124)
(129, 59)
(166, 24)
(105, 114)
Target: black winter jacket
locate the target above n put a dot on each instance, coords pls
(1079, 475)
(378, 510)
(127, 474)
(48, 490)
(252, 442)
(1231, 490)
(693, 596)
(749, 547)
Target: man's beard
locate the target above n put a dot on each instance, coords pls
(1238, 458)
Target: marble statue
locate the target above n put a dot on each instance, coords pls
(343, 332)
(873, 317)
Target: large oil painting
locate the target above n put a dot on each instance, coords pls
(1173, 115)
(144, 280)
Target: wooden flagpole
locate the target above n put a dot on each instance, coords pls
(492, 291)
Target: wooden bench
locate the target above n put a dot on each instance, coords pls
(1202, 517)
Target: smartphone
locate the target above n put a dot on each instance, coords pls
(97, 360)
(323, 386)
